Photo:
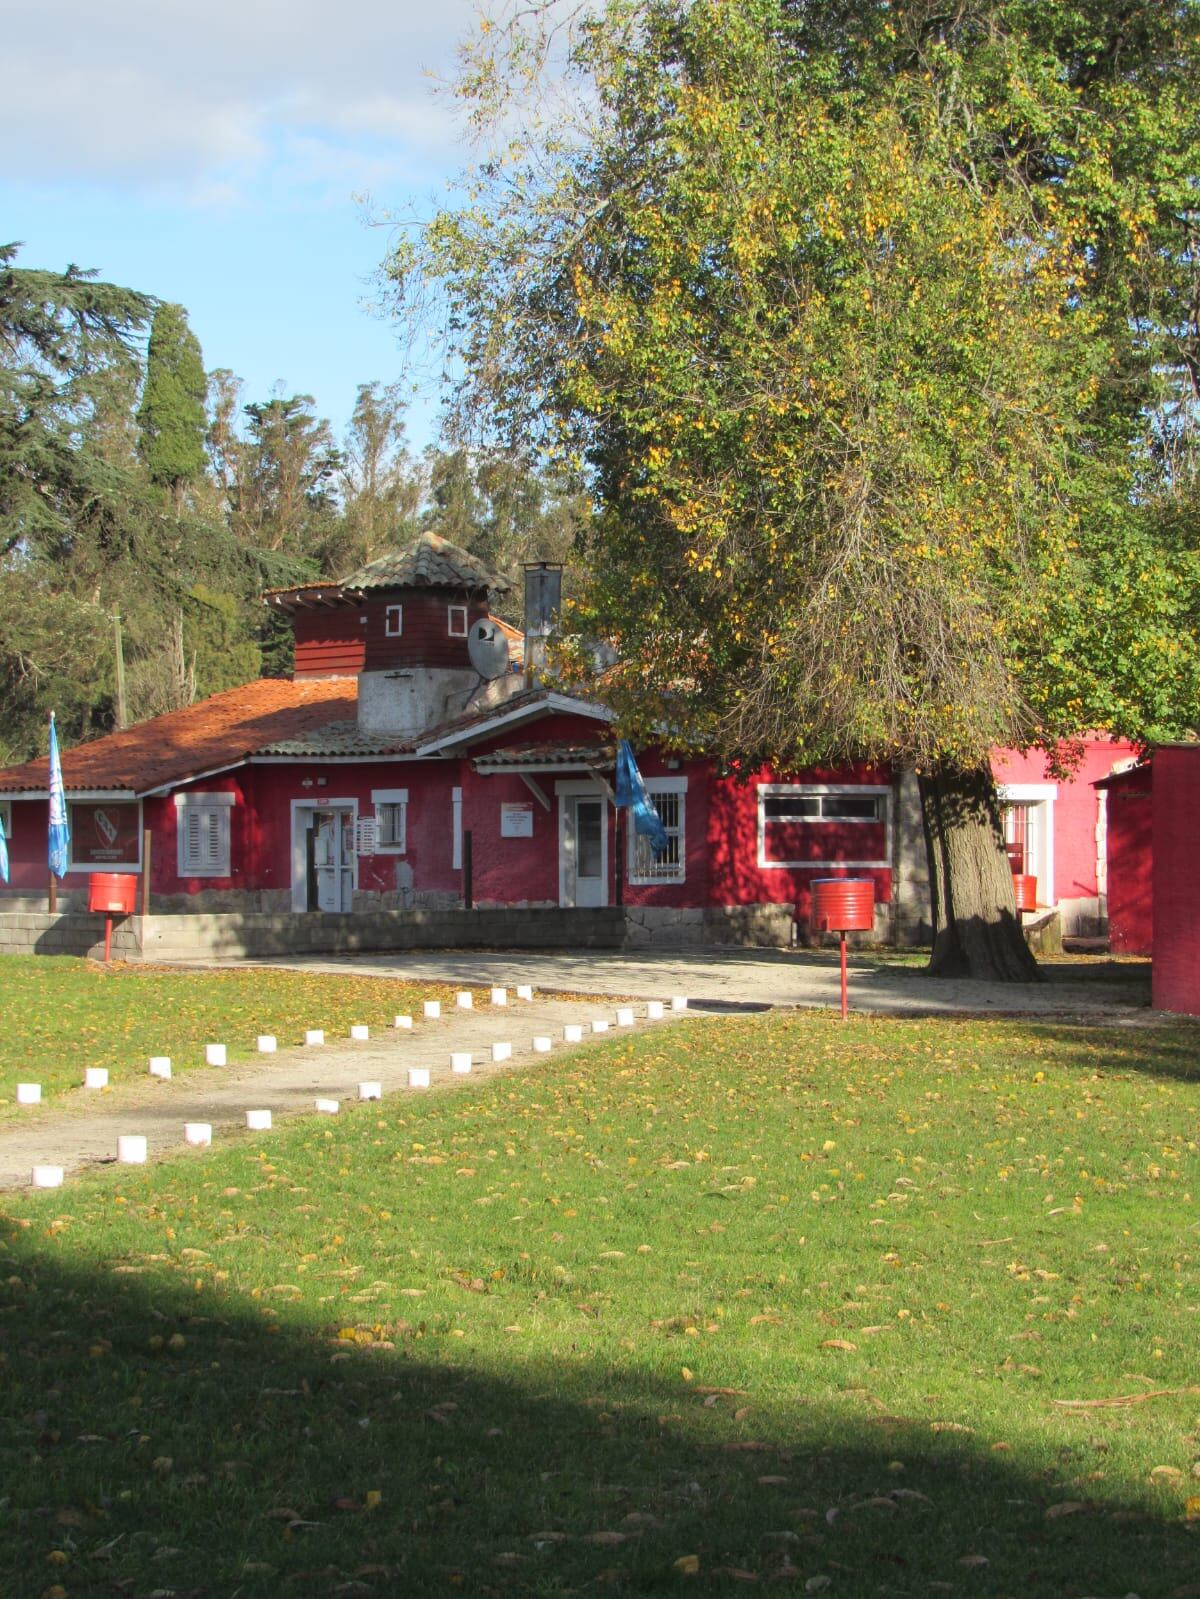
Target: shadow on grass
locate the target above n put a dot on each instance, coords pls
(241, 1461)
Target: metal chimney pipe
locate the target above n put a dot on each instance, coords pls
(543, 601)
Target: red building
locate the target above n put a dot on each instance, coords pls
(411, 764)
(1130, 850)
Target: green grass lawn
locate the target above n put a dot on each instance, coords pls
(62, 1015)
(744, 1299)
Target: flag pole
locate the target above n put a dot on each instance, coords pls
(58, 838)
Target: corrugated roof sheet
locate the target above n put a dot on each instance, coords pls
(218, 732)
(339, 738)
(432, 562)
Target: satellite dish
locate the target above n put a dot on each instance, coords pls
(488, 648)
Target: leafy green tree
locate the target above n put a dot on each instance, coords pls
(504, 505)
(62, 337)
(85, 535)
(853, 316)
(171, 416)
(286, 472)
(380, 486)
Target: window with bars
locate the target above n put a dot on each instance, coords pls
(669, 866)
(391, 820)
(203, 834)
(456, 616)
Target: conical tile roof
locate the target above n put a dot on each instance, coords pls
(432, 562)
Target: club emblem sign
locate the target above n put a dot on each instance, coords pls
(105, 834)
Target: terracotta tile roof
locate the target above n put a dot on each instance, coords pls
(218, 732)
(592, 756)
(432, 562)
(516, 643)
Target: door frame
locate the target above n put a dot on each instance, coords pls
(571, 789)
(299, 809)
(1042, 797)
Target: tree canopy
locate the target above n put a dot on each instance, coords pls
(171, 415)
(875, 329)
(858, 317)
(144, 506)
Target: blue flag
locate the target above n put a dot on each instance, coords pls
(631, 791)
(3, 854)
(60, 832)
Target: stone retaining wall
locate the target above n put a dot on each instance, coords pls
(259, 935)
(662, 927)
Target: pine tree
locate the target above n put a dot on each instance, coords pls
(172, 416)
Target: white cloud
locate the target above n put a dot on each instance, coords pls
(137, 93)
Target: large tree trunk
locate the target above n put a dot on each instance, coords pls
(975, 928)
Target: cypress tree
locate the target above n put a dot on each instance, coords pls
(171, 416)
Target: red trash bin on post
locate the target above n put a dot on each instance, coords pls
(114, 893)
(843, 905)
(1025, 892)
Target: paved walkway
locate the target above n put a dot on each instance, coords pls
(759, 978)
(85, 1132)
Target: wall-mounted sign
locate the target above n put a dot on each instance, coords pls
(516, 821)
(105, 834)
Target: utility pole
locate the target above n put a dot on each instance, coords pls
(120, 652)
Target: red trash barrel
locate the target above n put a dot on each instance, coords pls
(1025, 891)
(843, 904)
(113, 892)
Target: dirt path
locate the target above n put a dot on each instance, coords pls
(85, 1131)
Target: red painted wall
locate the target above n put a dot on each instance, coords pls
(507, 871)
(1076, 809)
(266, 859)
(425, 638)
(1130, 857)
(1176, 982)
(329, 643)
(736, 878)
(27, 844)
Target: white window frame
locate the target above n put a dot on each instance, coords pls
(219, 806)
(395, 612)
(451, 612)
(882, 791)
(390, 796)
(6, 819)
(641, 876)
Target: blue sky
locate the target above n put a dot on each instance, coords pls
(227, 157)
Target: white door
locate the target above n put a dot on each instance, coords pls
(584, 850)
(333, 858)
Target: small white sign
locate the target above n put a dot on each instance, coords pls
(516, 820)
(366, 835)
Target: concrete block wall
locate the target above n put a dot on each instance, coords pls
(75, 933)
(258, 935)
(310, 933)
